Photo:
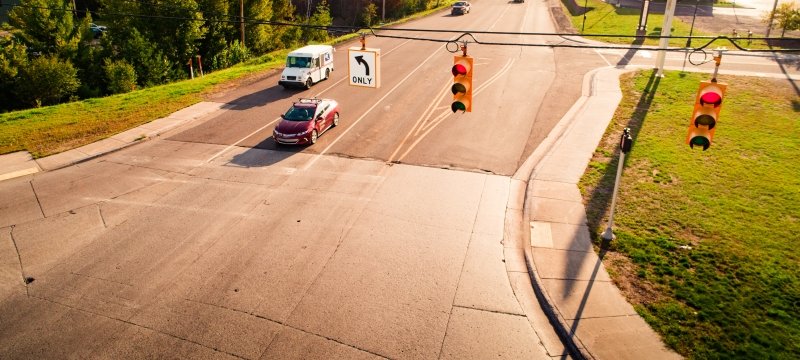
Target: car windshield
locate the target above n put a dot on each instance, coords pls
(460, 4)
(298, 62)
(299, 114)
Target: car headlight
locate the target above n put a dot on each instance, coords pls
(303, 132)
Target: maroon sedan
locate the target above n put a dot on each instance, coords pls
(306, 120)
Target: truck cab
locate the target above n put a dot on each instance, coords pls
(307, 65)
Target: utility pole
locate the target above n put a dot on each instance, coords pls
(383, 12)
(666, 29)
(241, 20)
(771, 17)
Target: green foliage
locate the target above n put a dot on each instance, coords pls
(258, 37)
(159, 48)
(369, 15)
(13, 56)
(284, 37)
(785, 17)
(45, 30)
(711, 231)
(151, 65)
(46, 81)
(234, 54)
(321, 17)
(121, 76)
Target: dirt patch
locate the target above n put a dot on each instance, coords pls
(636, 290)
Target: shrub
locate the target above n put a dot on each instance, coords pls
(46, 80)
(120, 75)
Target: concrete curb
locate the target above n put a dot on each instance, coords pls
(521, 205)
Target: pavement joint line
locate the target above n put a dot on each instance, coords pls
(489, 311)
(134, 324)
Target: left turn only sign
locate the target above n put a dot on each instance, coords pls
(364, 67)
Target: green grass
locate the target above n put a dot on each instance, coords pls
(736, 292)
(53, 129)
(603, 18)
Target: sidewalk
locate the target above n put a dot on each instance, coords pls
(590, 314)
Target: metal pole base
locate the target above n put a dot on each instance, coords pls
(608, 235)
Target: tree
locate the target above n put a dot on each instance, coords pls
(46, 80)
(173, 37)
(47, 27)
(258, 37)
(321, 17)
(369, 15)
(786, 17)
(284, 36)
(218, 31)
(13, 56)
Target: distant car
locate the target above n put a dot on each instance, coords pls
(306, 120)
(97, 30)
(519, 1)
(460, 8)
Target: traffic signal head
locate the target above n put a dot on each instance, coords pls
(705, 115)
(462, 83)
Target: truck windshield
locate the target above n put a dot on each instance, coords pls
(298, 62)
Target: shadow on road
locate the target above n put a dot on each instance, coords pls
(265, 153)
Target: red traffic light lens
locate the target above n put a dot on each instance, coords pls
(711, 98)
(459, 69)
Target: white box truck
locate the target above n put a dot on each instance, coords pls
(307, 66)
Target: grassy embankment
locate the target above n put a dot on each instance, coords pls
(53, 129)
(706, 246)
(603, 18)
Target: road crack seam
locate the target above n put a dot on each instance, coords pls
(250, 313)
(25, 279)
(137, 325)
(37, 199)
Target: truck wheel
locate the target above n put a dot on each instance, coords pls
(309, 83)
(327, 73)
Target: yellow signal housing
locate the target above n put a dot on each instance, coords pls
(462, 83)
(705, 115)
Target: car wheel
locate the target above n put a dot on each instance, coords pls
(335, 119)
(327, 73)
(309, 83)
(314, 136)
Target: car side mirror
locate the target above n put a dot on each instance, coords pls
(319, 118)
(283, 116)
